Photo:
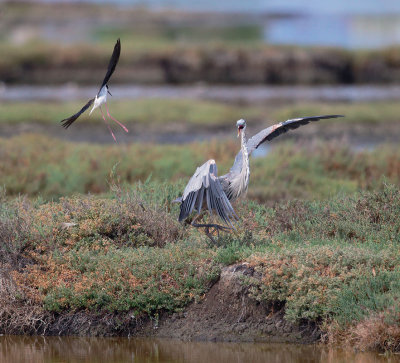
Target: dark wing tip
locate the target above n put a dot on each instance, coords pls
(112, 63)
(117, 45)
(66, 122)
(313, 118)
(330, 116)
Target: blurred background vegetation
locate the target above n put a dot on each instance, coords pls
(186, 74)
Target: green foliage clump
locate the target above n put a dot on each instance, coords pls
(317, 281)
(122, 253)
(332, 260)
(145, 280)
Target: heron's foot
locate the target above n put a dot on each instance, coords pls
(215, 228)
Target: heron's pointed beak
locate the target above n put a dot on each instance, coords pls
(109, 92)
(238, 132)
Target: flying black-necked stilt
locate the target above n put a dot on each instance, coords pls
(101, 96)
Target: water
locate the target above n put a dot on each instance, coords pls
(248, 94)
(264, 6)
(346, 31)
(111, 350)
(358, 24)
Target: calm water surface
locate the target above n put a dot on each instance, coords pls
(112, 350)
(350, 24)
(248, 94)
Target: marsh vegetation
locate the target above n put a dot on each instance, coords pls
(90, 242)
(321, 234)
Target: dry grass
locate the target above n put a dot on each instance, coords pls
(380, 331)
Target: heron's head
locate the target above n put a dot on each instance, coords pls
(241, 125)
(108, 90)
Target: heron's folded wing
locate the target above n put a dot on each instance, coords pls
(205, 185)
(68, 121)
(278, 129)
(113, 63)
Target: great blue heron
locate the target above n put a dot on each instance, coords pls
(101, 96)
(206, 190)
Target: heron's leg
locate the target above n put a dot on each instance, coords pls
(207, 227)
(217, 227)
(119, 123)
(198, 216)
(108, 125)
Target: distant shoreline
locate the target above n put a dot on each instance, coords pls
(213, 64)
(72, 43)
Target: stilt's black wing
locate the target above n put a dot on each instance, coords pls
(113, 63)
(111, 67)
(68, 121)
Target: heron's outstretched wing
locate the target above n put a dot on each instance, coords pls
(68, 121)
(279, 129)
(271, 132)
(205, 185)
(113, 63)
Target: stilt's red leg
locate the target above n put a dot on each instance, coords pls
(108, 125)
(119, 123)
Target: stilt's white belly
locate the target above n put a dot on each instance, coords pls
(100, 99)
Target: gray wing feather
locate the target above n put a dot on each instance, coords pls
(205, 184)
(279, 129)
(237, 165)
(271, 132)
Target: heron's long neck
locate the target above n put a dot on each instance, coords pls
(246, 164)
(241, 180)
(243, 142)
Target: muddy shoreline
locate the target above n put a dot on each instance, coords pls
(226, 313)
(212, 65)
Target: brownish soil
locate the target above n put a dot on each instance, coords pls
(226, 313)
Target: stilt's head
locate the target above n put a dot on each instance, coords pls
(241, 125)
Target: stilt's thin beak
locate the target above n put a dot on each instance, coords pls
(109, 92)
(238, 132)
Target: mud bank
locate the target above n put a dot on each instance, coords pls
(210, 64)
(225, 313)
